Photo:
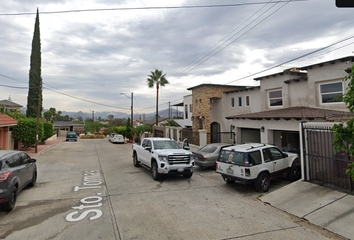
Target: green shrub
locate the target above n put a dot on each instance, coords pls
(48, 131)
(25, 131)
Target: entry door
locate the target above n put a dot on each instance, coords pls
(215, 133)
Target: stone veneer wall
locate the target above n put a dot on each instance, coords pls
(201, 103)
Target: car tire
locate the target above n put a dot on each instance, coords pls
(188, 174)
(228, 180)
(135, 160)
(294, 173)
(34, 179)
(154, 172)
(8, 206)
(262, 183)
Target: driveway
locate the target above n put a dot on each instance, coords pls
(90, 190)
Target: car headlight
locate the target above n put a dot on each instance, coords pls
(163, 158)
(192, 157)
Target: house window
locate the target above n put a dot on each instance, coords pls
(331, 92)
(239, 101)
(191, 107)
(275, 98)
(186, 111)
(232, 102)
(247, 101)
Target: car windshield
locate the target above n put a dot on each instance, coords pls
(208, 149)
(166, 145)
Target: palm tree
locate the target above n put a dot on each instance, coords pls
(157, 78)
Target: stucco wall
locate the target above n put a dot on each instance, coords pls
(326, 74)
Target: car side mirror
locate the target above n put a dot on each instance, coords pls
(148, 149)
(285, 155)
(185, 144)
(31, 160)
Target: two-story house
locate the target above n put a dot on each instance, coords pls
(285, 99)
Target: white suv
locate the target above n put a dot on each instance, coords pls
(257, 163)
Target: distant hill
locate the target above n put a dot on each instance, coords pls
(104, 115)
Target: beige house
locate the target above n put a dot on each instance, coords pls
(272, 111)
(8, 105)
(285, 99)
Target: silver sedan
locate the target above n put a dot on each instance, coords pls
(207, 155)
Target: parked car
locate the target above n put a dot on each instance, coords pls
(71, 136)
(257, 163)
(116, 138)
(164, 156)
(17, 170)
(207, 155)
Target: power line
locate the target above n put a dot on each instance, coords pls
(294, 59)
(143, 8)
(216, 50)
(215, 46)
(62, 93)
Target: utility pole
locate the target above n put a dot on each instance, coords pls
(169, 113)
(93, 116)
(131, 108)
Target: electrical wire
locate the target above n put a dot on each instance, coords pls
(216, 45)
(142, 8)
(294, 59)
(211, 54)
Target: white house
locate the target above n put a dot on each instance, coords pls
(284, 99)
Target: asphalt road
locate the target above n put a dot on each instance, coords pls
(90, 190)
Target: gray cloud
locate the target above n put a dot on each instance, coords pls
(98, 55)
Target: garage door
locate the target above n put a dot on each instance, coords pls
(250, 135)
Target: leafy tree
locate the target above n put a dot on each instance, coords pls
(119, 130)
(25, 131)
(35, 79)
(110, 117)
(16, 114)
(93, 127)
(158, 79)
(343, 138)
(48, 116)
(48, 131)
(128, 130)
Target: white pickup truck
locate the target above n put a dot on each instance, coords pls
(164, 156)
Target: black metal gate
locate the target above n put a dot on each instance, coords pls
(325, 166)
(222, 137)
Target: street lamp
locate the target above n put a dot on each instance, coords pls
(131, 107)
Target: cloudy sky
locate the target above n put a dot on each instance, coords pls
(96, 55)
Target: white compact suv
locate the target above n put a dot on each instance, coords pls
(257, 163)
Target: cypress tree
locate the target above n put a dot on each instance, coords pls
(35, 79)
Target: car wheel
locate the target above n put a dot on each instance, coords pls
(8, 206)
(294, 173)
(135, 160)
(34, 179)
(188, 174)
(228, 180)
(262, 183)
(154, 173)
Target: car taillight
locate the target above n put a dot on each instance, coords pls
(216, 165)
(4, 176)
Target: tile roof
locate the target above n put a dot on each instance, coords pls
(6, 120)
(298, 113)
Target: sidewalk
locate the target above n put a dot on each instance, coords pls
(42, 147)
(319, 205)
